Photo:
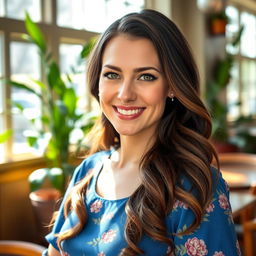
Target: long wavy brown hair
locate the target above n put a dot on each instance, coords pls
(181, 149)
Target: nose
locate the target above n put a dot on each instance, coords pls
(126, 92)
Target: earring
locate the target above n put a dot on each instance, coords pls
(172, 97)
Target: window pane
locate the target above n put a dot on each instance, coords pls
(233, 93)
(94, 15)
(1, 73)
(24, 66)
(69, 61)
(248, 93)
(16, 9)
(1, 8)
(248, 39)
(232, 28)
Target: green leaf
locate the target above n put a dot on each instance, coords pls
(32, 141)
(56, 177)
(35, 33)
(23, 87)
(18, 106)
(5, 136)
(87, 48)
(54, 79)
(37, 178)
(41, 85)
(52, 151)
(45, 119)
(70, 100)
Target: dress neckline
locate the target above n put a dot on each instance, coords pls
(97, 171)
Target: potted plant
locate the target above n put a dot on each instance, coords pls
(218, 109)
(218, 22)
(59, 117)
(244, 134)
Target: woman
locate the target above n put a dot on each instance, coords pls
(148, 187)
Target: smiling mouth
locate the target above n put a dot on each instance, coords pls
(129, 112)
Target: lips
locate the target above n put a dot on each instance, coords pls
(128, 113)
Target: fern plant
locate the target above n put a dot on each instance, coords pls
(59, 115)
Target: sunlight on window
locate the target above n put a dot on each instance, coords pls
(248, 40)
(69, 64)
(232, 28)
(233, 94)
(94, 15)
(16, 9)
(24, 67)
(248, 92)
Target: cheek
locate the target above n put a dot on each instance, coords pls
(155, 96)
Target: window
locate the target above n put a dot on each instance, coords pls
(96, 16)
(76, 22)
(241, 92)
(16, 9)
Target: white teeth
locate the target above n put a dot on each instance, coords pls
(128, 112)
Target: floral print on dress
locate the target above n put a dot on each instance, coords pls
(223, 201)
(224, 204)
(210, 208)
(196, 247)
(107, 237)
(218, 254)
(178, 203)
(96, 206)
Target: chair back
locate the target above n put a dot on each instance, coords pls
(20, 248)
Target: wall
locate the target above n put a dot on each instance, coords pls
(192, 23)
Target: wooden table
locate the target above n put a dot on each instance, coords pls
(242, 204)
(238, 169)
(238, 178)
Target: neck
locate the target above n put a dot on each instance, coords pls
(132, 149)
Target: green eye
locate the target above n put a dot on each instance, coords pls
(147, 77)
(111, 75)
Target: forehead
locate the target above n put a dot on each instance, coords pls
(128, 50)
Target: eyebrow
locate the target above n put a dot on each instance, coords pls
(137, 70)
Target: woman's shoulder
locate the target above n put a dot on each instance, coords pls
(90, 163)
(218, 182)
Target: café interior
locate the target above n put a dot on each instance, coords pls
(222, 37)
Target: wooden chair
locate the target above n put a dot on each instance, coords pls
(20, 248)
(249, 232)
(239, 170)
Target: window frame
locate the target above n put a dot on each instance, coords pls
(239, 58)
(11, 29)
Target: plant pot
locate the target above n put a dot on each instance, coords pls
(225, 147)
(45, 202)
(218, 27)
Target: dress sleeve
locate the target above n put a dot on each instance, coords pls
(216, 234)
(79, 173)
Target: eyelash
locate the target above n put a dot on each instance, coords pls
(150, 77)
(108, 74)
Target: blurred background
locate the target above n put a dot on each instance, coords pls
(222, 36)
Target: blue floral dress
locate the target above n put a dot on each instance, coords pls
(103, 234)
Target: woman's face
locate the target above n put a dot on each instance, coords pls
(132, 87)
